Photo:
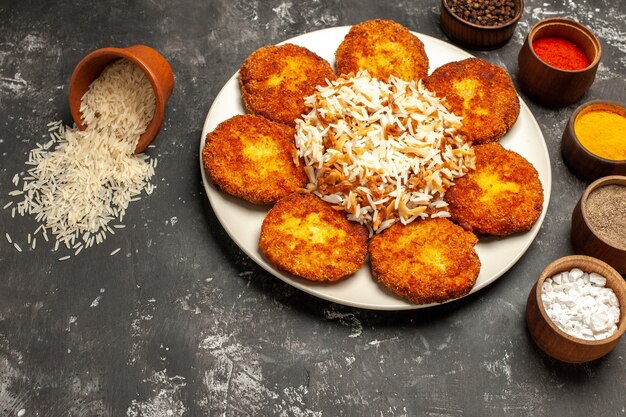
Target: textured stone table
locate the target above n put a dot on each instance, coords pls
(181, 322)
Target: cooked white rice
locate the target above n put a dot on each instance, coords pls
(382, 151)
(87, 178)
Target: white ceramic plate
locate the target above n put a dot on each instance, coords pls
(242, 221)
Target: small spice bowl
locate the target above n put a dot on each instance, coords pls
(589, 241)
(152, 63)
(580, 159)
(549, 85)
(475, 36)
(554, 341)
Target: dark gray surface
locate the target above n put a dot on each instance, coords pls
(186, 324)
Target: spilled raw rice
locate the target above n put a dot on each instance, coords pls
(381, 151)
(79, 181)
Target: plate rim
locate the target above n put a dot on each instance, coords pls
(306, 286)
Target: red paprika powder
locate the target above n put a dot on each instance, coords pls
(561, 53)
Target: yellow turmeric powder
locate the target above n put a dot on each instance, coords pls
(603, 133)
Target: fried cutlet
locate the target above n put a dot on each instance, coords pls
(502, 196)
(276, 79)
(251, 157)
(383, 48)
(305, 236)
(426, 261)
(482, 93)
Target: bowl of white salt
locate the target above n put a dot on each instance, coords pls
(576, 311)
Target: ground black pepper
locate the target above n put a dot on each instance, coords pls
(483, 12)
(606, 212)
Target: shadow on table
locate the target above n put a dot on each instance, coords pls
(572, 374)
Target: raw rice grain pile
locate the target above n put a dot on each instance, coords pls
(80, 181)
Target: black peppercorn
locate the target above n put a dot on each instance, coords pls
(483, 12)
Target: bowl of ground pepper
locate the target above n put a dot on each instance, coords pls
(558, 62)
(480, 24)
(594, 140)
(599, 222)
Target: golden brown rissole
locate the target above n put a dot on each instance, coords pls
(426, 261)
(502, 196)
(383, 48)
(305, 236)
(276, 79)
(482, 93)
(251, 157)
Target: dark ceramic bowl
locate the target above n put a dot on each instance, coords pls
(153, 64)
(474, 36)
(552, 86)
(554, 341)
(582, 161)
(586, 240)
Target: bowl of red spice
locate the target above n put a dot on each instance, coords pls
(599, 222)
(480, 24)
(594, 140)
(558, 62)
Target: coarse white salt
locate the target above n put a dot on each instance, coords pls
(381, 151)
(580, 304)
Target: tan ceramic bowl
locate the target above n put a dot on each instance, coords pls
(556, 342)
(156, 68)
(473, 36)
(580, 159)
(587, 241)
(552, 86)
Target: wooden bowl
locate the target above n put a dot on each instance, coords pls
(587, 241)
(556, 342)
(587, 164)
(474, 36)
(552, 86)
(156, 68)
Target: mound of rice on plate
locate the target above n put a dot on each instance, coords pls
(381, 151)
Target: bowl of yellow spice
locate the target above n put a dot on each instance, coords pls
(594, 140)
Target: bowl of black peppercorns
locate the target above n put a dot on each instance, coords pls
(480, 24)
